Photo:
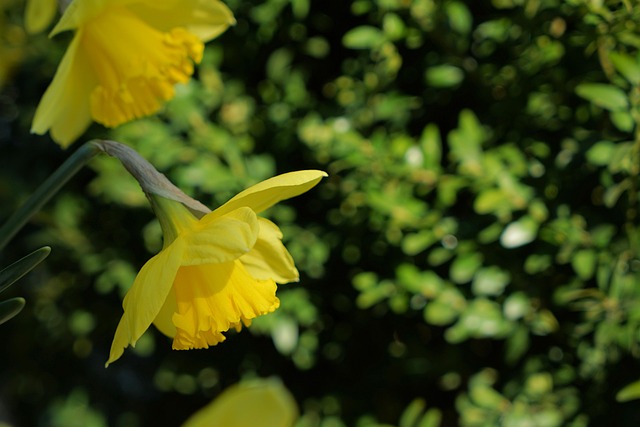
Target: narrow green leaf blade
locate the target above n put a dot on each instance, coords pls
(15, 271)
(10, 308)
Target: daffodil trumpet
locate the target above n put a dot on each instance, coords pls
(217, 269)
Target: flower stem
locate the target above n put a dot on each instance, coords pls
(47, 190)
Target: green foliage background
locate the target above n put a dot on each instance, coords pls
(472, 259)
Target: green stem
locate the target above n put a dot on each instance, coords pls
(47, 190)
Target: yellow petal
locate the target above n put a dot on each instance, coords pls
(137, 66)
(213, 298)
(269, 259)
(205, 18)
(79, 12)
(64, 108)
(221, 239)
(146, 297)
(273, 190)
(164, 319)
(39, 14)
(264, 403)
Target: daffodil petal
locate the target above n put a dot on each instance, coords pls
(269, 259)
(273, 190)
(64, 108)
(206, 19)
(164, 319)
(146, 297)
(137, 65)
(213, 298)
(221, 239)
(80, 11)
(270, 404)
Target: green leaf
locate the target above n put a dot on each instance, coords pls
(517, 345)
(459, 16)
(629, 392)
(491, 233)
(584, 263)
(393, 26)
(444, 76)
(482, 318)
(365, 280)
(445, 308)
(300, 8)
(536, 263)
(439, 256)
(490, 200)
(603, 95)
(519, 233)
(487, 397)
(623, 120)
(15, 271)
(613, 193)
(490, 281)
(431, 144)
(539, 384)
(412, 413)
(372, 296)
(627, 66)
(464, 267)
(363, 37)
(432, 418)
(621, 159)
(10, 308)
(516, 306)
(439, 313)
(601, 153)
(413, 244)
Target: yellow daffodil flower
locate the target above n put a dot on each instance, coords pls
(217, 270)
(124, 60)
(260, 402)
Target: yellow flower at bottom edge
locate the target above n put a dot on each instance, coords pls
(215, 272)
(256, 403)
(124, 60)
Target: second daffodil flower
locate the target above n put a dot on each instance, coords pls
(217, 270)
(124, 60)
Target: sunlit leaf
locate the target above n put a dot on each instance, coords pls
(519, 233)
(629, 392)
(601, 153)
(464, 267)
(603, 95)
(627, 66)
(584, 263)
(444, 76)
(412, 413)
(363, 37)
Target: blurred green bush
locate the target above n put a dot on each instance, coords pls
(472, 259)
